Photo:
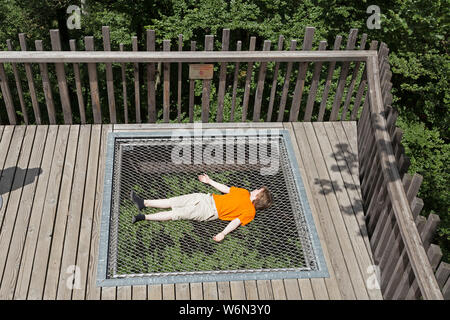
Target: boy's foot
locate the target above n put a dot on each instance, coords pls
(138, 201)
(138, 217)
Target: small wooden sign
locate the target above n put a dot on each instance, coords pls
(201, 71)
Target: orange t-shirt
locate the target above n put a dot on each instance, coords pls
(235, 204)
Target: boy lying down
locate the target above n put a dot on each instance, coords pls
(236, 205)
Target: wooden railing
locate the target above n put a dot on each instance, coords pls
(399, 237)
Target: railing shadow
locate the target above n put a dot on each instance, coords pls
(19, 177)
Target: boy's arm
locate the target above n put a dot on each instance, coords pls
(230, 227)
(221, 187)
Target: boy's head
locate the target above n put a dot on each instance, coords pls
(261, 198)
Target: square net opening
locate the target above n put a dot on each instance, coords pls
(281, 241)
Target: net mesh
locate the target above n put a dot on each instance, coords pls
(277, 239)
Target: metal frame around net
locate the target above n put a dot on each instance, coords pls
(107, 275)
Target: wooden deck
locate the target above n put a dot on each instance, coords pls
(52, 180)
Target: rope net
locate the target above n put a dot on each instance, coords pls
(161, 167)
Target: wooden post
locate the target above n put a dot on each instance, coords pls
(314, 85)
(274, 81)
(287, 79)
(180, 48)
(166, 90)
(209, 45)
(260, 85)
(18, 86)
(191, 90)
(235, 82)
(30, 79)
(61, 76)
(7, 96)
(46, 85)
(300, 84)
(222, 76)
(343, 77)
(76, 71)
(323, 104)
(93, 83)
(137, 93)
(124, 88)
(109, 77)
(151, 95)
(248, 79)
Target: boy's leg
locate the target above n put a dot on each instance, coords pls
(159, 216)
(158, 203)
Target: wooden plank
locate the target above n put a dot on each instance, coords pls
(92, 291)
(273, 88)
(109, 77)
(419, 260)
(61, 77)
(124, 293)
(279, 292)
(260, 85)
(343, 77)
(79, 87)
(139, 292)
(224, 290)
(84, 244)
(55, 267)
(264, 289)
(442, 274)
(137, 93)
(237, 290)
(154, 292)
(314, 85)
(42, 253)
(326, 90)
(287, 79)
(151, 94)
(124, 88)
(93, 82)
(210, 291)
(25, 270)
(7, 97)
(191, 90)
(185, 56)
(168, 292)
(292, 289)
(73, 219)
(24, 209)
(222, 76)
(196, 291)
(302, 69)
(206, 89)
(180, 69)
(251, 290)
(30, 80)
(248, 79)
(47, 87)
(109, 293)
(351, 87)
(306, 289)
(11, 196)
(9, 167)
(336, 253)
(18, 85)
(350, 203)
(235, 83)
(182, 291)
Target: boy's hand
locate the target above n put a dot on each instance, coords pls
(219, 237)
(204, 178)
